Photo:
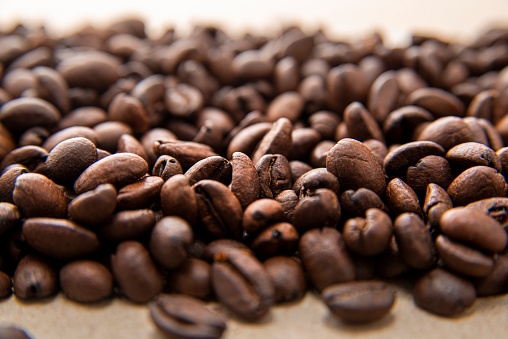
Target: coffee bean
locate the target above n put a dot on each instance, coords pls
(179, 199)
(140, 194)
(35, 278)
(360, 123)
(258, 215)
(182, 316)
(356, 203)
(473, 154)
(248, 138)
(128, 225)
(495, 281)
(129, 110)
(214, 168)
(437, 101)
(428, 170)
(186, 152)
(437, 201)
(101, 200)
(183, 100)
(286, 105)
(303, 140)
(86, 281)
(495, 207)
(383, 95)
(5, 285)
(370, 235)
(166, 166)
(242, 284)
(289, 200)
(192, 277)
(23, 113)
(287, 277)
(279, 238)
(314, 179)
(401, 198)
(276, 141)
(274, 175)
(169, 241)
(13, 333)
(9, 217)
(359, 301)
(447, 132)
(223, 246)
(32, 157)
(325, 258)
(316, 208)
(245, 183)
(135, 272)
(129, 144)
(59, 238)
(443, 293)
(109, 133)
(68, 133)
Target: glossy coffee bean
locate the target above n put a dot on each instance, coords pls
(178, 198)
(192, 277)
(101, 200)
(86, 281)
(287, 277)
(169, 241)
(369, 235)
(35, 278)
(128, 225)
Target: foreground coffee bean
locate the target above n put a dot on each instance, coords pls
(13, 333)
(86, 281)
(287, 277)
(181, 316)
(443, 293)
(359, 301)
(35, 277)
(169, 241)
(5, 285)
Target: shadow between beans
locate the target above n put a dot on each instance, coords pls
(331, 321)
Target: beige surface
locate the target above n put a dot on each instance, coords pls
(457, 19)
(308, 318)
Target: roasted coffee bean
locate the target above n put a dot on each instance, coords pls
(223, 245)
(68, 133)
(32, 157)
(286, 105)
(360, 123)
(289, 200)
(8, 181)
(279, 238)
(314, 179)
(495, 207)
(181, 316)
(346, 83)
(248, 138)
(68, 159)
(219, 210)
(20, 114)
(496, 281)
(117, 169)
(129, 110)
(13, 333)
(414, 241)
(325, 122)
(109, 133)
(444, 293)
(276, 141)
(437, 101)
(186, 152)
(370, 235)
(179, 199)
(33, 136)
(166, 166)
(471, 154)
(245, 183)
(87, 116)
(9, 217)
(400, 123)
(355, 166)
(135, 272)
(462, 259)
(129, 144)
(383, 95)
(274, 175)
(317, 208)
(287, 277)
(356, 203)
(59, 238)
(154, 134)
(192, 277)
(447, 132)
(101, 200)
(476, 183)
(325, 258)
(128, 225)
(258, 215)
(298, 168)
(86, 281)
(401, 198)
(437, 201)
(5, 285)
(303, 140)
(398, 160)
(242, 284)
(428, 170)
(169, 241)
(140, 194)
(214, 168)
(474, 228)
(35, 277)
(37, 196)
(359, 301)
(183, 100)
(317, 158)
(286, 74)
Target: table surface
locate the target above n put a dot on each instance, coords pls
(118, 318)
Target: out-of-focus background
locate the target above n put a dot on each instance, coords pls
(395, 19)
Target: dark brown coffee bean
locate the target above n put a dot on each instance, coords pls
(5, 285)
(317, 208)
(223, 245)
(186, 152)
(378, 148)
(356, 203)
(129, 144)
(218, 209)
(68, 133)
(471, 154)
(462, 259)
(437, 201)
(346, 83)
(360, 123)
(32, 157)
(252, 64)
(242, 284)
(153, 135)
(303, 141)
(83, 116)
(179, 199)
(430, 169)
(355, 166)
(274, 175)
(183, 100)
(276, 141)
(52, 87)
(21, 114)
(248, 138)
(181, 316)
(401, 198)
(278, 238)
(9, 217)
(35, 278)
(109, 133)
(192, 277)
(316, 178)
(325, 122)
(325, 258)
(59, 238)
(86, 281)
(94, 69)
(68, 159)
(258, 215)
(474, 228)
(359, 301)
(447, 131)
(135, 272)
(117, 169)
(166, 166)
(399, 124)
(286, 105)
(13, 333)
(101, 200)
(33, 136)
(443, 293)
(128, 225)
(495, 207)
(399, 159)
(496, 281)
(214, 168)
(383, 95)
(37, 196)
(286, 74)
(476, 183)
(8, 180)
(317, 158)
(437, 101)
(289, 199)
(129, 110)
(245, 183)
(370, 235)
(169, 241)
(287, 277)
(140, 194)
(298, 168)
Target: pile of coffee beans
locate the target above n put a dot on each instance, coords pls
(249, 170)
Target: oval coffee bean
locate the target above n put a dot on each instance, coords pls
(5, 285)
(242, 284)
(471, 154)
(370, 235)
(316, 178)
(214, 168)
(440, 102)
(140, 194)
(192, 277)
(444, 293)
(244, 180)
(179, 199)
(59, 238)
(135, 272)
(496, 281)
(117, 169)
(169, 241)
(356, 203)
(398, 160)
(166, 166)
(9, 217)
(325, 258)
(31, 157)
(401, 198)
(278, 238)
(474, 228)
(287, 277)
(355, 166)
(34, 278)
(274, 175)
(258, 215)
(37, 196)
(20, 114)
(8, 180)
(359, 301)
(186, 152)
(276, 141)
(497, 208)
(128, 225)
(317, 208)
(447, 132)
(181, 316)
(86, 281)
(101, 200)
